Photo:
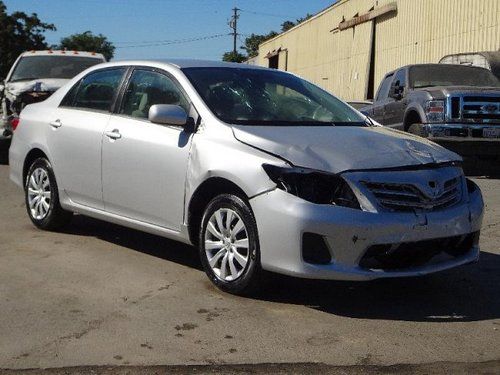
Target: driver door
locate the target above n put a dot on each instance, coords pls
(395, 107)
(144, 164)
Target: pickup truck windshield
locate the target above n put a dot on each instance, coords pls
(267, 97)
(65, 67)
(451, 75)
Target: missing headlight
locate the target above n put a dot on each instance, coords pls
(312, 185)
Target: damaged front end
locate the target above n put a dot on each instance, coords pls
(384, 223)
(16, 96)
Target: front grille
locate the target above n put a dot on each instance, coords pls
(475, 108)
(409, 197)
(413, 254)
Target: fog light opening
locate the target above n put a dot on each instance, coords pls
(315, 250)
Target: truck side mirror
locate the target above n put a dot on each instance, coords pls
(397, 92)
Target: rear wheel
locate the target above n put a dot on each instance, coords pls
(42, 197)
(229, 245)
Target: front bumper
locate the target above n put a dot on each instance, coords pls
(478, 133)
(5, 127)
(481, 154)
(282, 219)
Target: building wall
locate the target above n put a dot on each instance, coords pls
(421, 31)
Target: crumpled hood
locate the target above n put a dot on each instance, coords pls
(337, 149)
(46, 84)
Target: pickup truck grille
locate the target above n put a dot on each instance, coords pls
(408, 197)
(475, 108)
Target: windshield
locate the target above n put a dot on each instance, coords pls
(33, 67)
(451, 75)
(268, 97)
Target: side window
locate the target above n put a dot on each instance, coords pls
(400, 79)
(147, 88)
(98, 89)
(69, 99)
(383, 91)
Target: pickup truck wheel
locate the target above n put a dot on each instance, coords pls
(229, 245)
(416, 129)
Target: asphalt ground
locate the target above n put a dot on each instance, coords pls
(99, 298)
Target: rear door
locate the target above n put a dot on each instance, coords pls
(378, 108)
(144, 164)
(76, 133)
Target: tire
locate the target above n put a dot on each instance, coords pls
(416, 129)
(42, 197)
(232, 268)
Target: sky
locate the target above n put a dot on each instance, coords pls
(141, 28)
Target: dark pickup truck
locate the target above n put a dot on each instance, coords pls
(455, 106)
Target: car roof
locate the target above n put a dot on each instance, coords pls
(63, 53)
(187, 63)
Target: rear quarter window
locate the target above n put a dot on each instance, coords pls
(96, 91)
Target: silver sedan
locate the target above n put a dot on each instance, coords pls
(260, 169)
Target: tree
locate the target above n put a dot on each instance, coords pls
(251, 46)
(233, 57)
(88, 42)
(252, 42)
(19, 32)
(287, 25)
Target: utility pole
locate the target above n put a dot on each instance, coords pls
(233, 24)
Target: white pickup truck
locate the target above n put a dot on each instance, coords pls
(36, 75)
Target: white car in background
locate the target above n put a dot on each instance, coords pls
(259, 168)
(36, 75)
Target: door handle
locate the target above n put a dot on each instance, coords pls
(56, 124)
(114, 134)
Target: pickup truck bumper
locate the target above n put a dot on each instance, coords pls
(5, 128)
(478, 144)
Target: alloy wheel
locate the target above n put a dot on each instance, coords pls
(39, 193)
(226, 244)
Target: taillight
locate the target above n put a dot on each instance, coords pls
(14, 123)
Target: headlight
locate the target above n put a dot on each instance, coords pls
(312, 185)
(434, 110)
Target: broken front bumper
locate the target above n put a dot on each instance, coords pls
(282, 219)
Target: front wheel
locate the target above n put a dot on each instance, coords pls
(42, 197)
(229, 245)
(416, 129)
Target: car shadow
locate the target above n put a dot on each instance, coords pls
(468, 293)
(4, 152)
(145, 243)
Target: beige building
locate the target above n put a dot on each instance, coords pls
(348, 47)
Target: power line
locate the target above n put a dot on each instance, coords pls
(267, 14)
(175, 41)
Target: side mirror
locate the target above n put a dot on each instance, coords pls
(397, 92)
(168, 114)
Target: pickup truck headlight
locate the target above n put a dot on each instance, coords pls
(434, 110)
(312, 185)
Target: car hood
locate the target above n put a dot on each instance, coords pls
(42, 84)
(443, 91)
(337, 149)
